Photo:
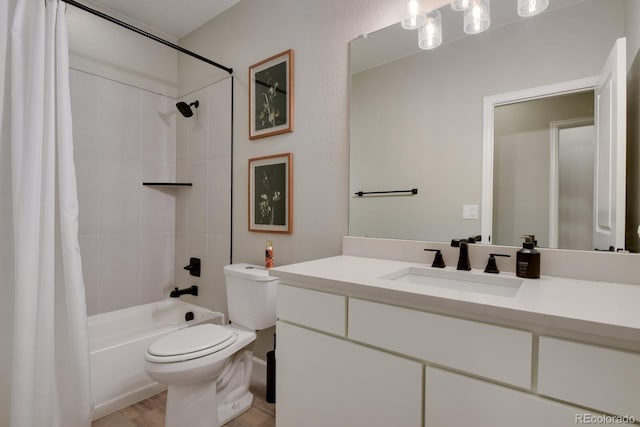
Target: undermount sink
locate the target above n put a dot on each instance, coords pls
(457, 280)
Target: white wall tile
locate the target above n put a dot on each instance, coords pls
(182, 138)
(90, 271)
(157, 255)
(120, 189)
(219, 196)
(119, 272)
(157, 172)
(197, 210)
(123, 135)
(158, 210)
(181, 259)
(119, 129)
(198, 126)
(157, 129)
(88, 187)
(220, 126)
(214, 293)
(196, 248)
(85, 91)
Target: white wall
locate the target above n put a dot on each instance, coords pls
(102, 48)
(122, 137)
(417, 122)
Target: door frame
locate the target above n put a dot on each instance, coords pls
(489, 105)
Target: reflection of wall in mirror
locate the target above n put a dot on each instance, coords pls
(417, 121)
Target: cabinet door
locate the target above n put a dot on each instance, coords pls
(453, 400)
(324, 381)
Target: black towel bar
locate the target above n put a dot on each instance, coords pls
(363, 193)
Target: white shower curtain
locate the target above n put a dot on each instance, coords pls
(45, 365)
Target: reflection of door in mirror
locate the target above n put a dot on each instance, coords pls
(534, 182)
(531, 173)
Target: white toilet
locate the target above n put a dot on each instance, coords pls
(207, 368)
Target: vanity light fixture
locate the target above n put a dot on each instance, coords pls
(477, 17)
(415, 18)
(528, 8)
(460, 5)
(430, 34)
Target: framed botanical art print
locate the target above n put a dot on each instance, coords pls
(271, 96)
(270, 194)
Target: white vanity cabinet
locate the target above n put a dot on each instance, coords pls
(325, 381)
(356, 354)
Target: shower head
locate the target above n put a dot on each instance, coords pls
(185, 109)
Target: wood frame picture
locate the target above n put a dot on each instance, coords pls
(271, 96)
(271, 194)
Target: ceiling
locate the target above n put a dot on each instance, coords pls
(175, 18)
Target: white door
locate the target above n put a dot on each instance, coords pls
(610, 163)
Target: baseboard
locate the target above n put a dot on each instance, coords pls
(259, 373)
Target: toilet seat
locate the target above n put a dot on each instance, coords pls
(191, 343)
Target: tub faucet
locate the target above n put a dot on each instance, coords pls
(463, 258)
(193, 290)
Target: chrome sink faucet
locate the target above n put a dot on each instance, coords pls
(463, 258)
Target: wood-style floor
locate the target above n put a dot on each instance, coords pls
(150, 413)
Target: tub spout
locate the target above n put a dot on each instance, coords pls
(193, 290)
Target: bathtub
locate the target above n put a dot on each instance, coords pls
(118, 341)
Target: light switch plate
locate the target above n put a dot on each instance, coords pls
(469, 211)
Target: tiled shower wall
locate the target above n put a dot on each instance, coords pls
(124, 136)
(203, 213)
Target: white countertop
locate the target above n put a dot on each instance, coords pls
(610, 310)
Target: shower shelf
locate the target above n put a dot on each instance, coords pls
(176, 185)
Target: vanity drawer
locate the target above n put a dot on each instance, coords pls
(596, 377)
(489, 351)
(453, 400)
(317, 310)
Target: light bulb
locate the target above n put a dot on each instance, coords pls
(478, 17)
(460, 5)
(415, 18)
(528, 8)
(430, 34)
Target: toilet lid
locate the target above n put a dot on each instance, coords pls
(197, 341)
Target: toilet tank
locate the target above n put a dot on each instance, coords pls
(251, 296)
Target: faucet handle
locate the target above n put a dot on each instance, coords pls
(438, 261)
(456, 243)
(475, 239)
(492, 267)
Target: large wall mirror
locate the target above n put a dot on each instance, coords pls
(528, 90)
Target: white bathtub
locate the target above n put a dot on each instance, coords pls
(118, 341)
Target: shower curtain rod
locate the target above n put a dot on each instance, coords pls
(148, 35)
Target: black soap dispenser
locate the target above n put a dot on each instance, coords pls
(528, 259)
